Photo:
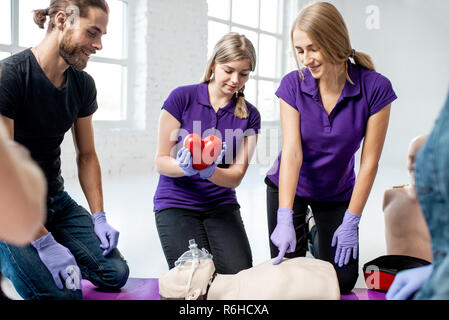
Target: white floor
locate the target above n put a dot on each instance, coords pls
(129, 203)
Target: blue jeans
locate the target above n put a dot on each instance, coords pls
(219, 230)
(432, 186)
(72, 227)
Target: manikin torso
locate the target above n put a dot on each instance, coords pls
(406, 231)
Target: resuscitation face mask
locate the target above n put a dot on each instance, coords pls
(191, 276)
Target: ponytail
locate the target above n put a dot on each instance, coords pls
(241, 109)
(363, 60)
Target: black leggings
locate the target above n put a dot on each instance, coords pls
(328, 217)
(219, 230)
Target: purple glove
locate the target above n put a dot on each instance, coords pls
(346, 238)
(284, 235)
(59, 261)
(108, 235)
(408, 282)
(185, 162)
(209, 171)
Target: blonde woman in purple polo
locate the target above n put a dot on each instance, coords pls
(328, 108)
(202, 204)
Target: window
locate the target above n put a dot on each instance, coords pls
(108, 67)
(261, 21)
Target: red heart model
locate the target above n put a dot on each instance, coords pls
(204, 152)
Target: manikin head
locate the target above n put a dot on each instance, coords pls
(78, 26)
(413, 149)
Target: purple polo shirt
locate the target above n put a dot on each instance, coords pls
(329, 143)
(191, 107)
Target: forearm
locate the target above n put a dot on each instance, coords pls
(22, 194)
(168, 166)
(362, 188)
(89, 174)
(291, 162)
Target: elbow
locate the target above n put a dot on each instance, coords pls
(85, 158)
(234, 184)
(292, 155)
(157, 163)
(237, 179)
(370, 166)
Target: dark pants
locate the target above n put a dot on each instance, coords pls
(71, 226)
(328, 217)
(219, 230)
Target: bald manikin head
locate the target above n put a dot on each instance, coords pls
(413, 149)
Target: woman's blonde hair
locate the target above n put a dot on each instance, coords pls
(232, 47)
(327, 29)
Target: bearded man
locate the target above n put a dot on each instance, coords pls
(43, 94)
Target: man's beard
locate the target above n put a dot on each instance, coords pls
(71, 53)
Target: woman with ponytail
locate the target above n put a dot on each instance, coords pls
(201, 204)
(333, 102)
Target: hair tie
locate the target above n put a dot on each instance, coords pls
(353, 54)
(240, 94)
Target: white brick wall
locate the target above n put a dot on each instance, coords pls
(169, 47)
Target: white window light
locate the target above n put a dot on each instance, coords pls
(261, 21)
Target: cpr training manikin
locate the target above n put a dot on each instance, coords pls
(194, 278)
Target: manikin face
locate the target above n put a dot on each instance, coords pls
(311, 57)
(83, 39)
(230, 77)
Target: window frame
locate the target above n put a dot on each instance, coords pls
(282, 48)
(14, 48)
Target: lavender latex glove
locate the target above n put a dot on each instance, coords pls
(407, 282)
(108, 235)
(59, 261)
(185, 162)
(346, 238)
(209, 171)
(284, 235)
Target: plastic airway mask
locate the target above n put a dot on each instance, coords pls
(194, 255)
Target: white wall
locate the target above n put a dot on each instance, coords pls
(168, 41)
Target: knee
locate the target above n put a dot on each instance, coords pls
(347, 282)
(115, 278)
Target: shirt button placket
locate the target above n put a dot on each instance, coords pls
(214, 119)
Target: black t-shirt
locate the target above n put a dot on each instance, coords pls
(41, 112)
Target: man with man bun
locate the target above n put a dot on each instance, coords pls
(43, 94)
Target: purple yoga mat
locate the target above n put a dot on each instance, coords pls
(148, 289)
(363, 294)
(134, 289)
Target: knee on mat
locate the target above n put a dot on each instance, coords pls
(347, 283)
(114, 279)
